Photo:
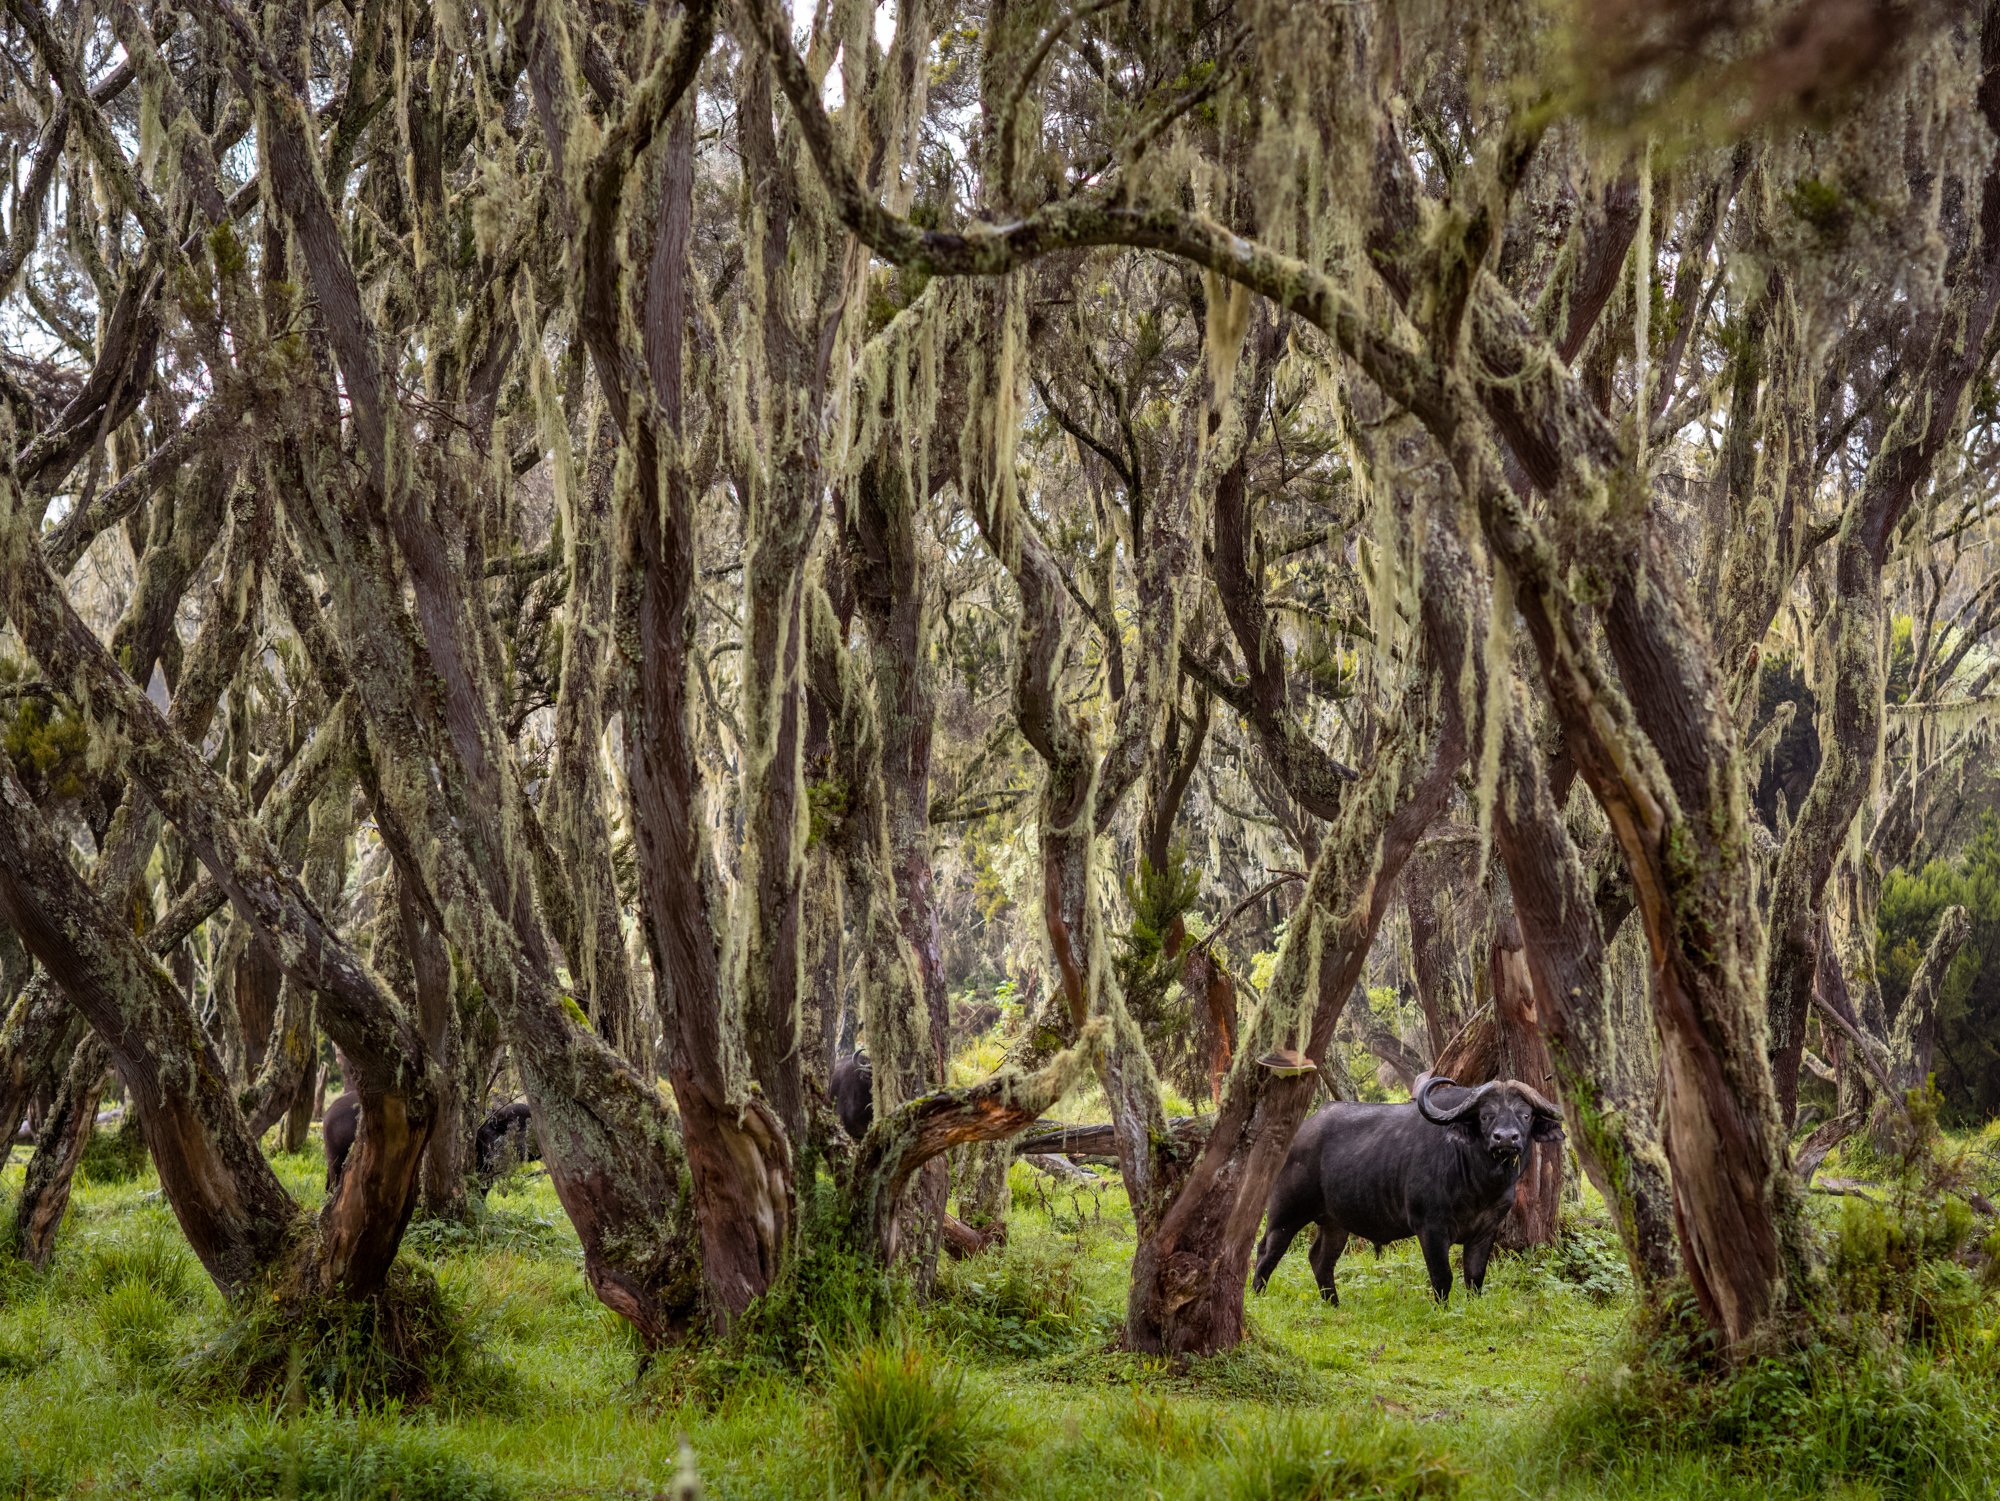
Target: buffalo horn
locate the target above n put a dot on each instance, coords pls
(1534, 1098)
(1458, 1111)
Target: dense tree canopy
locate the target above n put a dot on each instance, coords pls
(619, 542)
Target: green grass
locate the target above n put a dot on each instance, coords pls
(1007, 1384)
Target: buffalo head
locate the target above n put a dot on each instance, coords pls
(1504, 1115)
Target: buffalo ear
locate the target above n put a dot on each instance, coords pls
(1547, 1128)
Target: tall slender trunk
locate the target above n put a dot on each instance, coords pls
(1609, 1105)
(596, 946)
(58, 1149)
(879, 532)
(1524, 1055)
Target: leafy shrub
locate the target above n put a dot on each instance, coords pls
(1912, 1428)
(1586, 1256)
(1304, 1459)
(326, 1459)
(114, 1156)
(1018, 1302)
(494, 1228)
(899, 1413)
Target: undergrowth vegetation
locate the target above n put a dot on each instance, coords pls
(123, 1373)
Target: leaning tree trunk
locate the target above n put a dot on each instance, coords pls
(58, 1150)
(362, 1226)
(235, 1214)
(41, 1034)
(1915, 1037)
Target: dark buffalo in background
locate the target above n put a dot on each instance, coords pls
(1444, 1173)
(852, 1085)
(505, 1137)
(337, 1128)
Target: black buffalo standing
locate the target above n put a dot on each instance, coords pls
(852, 1086)
(505, 1137)
(337, 1128)
(1387, 1172)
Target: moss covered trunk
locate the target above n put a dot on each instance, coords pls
(1608, 1103)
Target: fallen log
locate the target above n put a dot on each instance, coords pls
(1097, 1140)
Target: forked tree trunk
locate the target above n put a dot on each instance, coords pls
(235, 1214)
(1188, 1277)
(611, 1147)
(135, 1007)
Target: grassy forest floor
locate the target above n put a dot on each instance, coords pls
(113, 1383)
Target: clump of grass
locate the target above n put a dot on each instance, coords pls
(900, 1414)
(327, 1458)
(825, 1299)
(137, 1323)
(24, 1354)
(1297, 1458)
(148, 1251)
(408, 1344)
(1255, 1371)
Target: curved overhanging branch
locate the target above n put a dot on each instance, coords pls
(930, 1125)
(1103, 218)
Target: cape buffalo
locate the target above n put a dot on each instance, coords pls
(505, 1137)
(1443, 1173)
(852, 1086)
(337, 1128)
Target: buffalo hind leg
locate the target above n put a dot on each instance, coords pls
(1271, 1250)
(1325, 1253)
(1437, 1258)
(1477, 1253)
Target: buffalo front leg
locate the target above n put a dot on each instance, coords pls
(1437, 1258)
(1325, 1253)
(1271, 1250)
(1477, 1254)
